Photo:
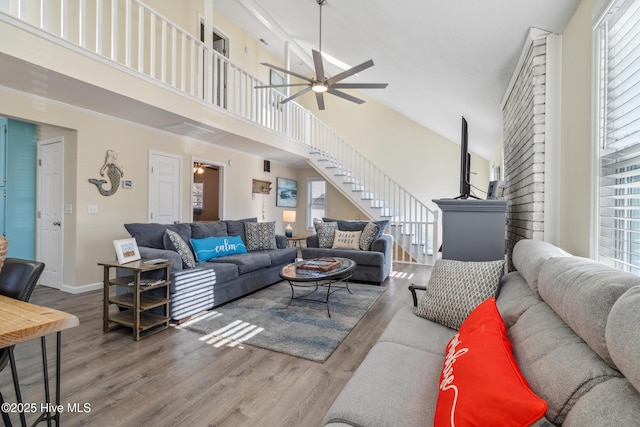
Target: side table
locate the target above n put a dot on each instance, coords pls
(138, 302)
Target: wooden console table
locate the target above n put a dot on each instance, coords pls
(22, 321)
(136, 315)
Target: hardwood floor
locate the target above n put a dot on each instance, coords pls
(174, 379)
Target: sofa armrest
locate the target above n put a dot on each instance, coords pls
(383, 244)
(413, 288)
(313, 241)
(151, 253)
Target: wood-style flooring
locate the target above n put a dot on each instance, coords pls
(172, 378)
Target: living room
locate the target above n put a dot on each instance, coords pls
(63, 73)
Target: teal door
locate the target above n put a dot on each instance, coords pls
(18, 161)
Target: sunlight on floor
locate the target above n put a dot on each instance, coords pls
(401, 275)
(232, 335)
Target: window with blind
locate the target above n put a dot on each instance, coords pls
(618, 36)
(316, 200)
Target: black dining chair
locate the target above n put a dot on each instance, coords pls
(18, 279)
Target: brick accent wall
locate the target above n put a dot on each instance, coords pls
(524, 148)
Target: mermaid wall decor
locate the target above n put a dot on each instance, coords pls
(114, 172)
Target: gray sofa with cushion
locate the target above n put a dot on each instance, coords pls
(373, 265)
(573, 327)
(214, 282)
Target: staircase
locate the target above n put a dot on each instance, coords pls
(413, 225)
(131, 36)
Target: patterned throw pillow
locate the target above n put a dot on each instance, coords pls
(346, 240)
(260, 235)
(174, 242)
(368, 233)
(326, 232)
(455, 288)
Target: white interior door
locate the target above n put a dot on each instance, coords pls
(49, 223)
(165, 184)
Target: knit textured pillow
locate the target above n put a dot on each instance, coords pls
(326, 232)
(455, 288)
(173, 241)
(260, 235)
(368, 234)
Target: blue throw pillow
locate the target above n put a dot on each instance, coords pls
(215, 247)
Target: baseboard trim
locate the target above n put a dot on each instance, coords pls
(81, 289)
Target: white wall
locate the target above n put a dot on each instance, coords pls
(576, 147)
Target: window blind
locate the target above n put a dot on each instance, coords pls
(619, 136)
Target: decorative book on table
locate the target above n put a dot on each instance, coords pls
(319, 264)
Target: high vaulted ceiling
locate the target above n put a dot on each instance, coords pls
(442, 59)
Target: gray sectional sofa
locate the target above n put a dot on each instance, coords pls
(217, 281)
(372, 266)
(573, 327)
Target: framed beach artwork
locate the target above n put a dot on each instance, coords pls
(286, 193)
(277, 79)
(126, 250)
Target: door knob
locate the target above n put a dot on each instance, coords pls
(58, 223)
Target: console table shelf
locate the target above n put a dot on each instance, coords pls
(134, 305)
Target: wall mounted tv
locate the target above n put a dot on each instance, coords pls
(465, 164)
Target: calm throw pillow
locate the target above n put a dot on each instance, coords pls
(481, 383)
(326, 232)
(173, 242)
(346, 239)
(369, 232)
(455, 288)
(260, 235)
(216, 247)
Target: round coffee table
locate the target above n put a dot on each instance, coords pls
(299, 277)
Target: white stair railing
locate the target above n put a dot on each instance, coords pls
(134, 36)
(413, 225)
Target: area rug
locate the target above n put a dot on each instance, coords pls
(302, 329)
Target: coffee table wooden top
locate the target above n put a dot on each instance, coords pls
(293, 273)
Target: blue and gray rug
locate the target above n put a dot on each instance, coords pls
(303, 329)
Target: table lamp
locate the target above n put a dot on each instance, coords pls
(288, 217)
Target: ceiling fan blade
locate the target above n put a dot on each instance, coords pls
(350, 72)
(284, 70)
(345, 96)
(290, 85)
(360, 85)
(317, 62)
(295, 95)
(320, 100)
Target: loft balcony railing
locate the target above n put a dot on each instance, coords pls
(130, 33)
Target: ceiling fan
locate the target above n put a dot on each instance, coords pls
(322, 83)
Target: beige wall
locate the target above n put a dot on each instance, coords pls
(576, 175)
(422, 161)
(88, 237)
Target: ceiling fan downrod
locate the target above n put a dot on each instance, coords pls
(320, 3)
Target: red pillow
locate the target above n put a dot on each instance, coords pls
(481, 384)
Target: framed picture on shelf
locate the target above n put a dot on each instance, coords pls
(495, 190)
(286, 193)
(126, 250)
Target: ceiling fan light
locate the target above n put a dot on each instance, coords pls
(319, 87)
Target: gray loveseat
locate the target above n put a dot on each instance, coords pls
(573, 326)
(372, 266)
(217, 281)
